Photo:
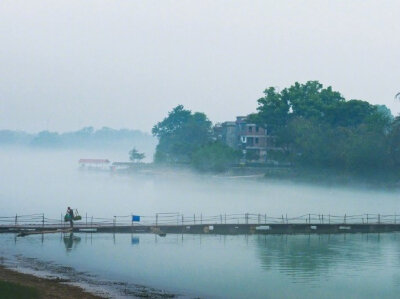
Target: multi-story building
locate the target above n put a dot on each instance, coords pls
(252, 139)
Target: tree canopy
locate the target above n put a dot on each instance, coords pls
(180, 134)
(135, 156)
(310, 127)
(317, 127)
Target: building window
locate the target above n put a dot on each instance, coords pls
(257, 129)
(256, 140)
(250, 129)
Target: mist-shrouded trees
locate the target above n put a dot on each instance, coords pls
(46, 139)
(186, 137)
(215, 157)
(180, 134)
(311, 127)
(394, 142)
(317, 127)
(135, 156)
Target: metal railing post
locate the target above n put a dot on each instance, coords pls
(43, 220)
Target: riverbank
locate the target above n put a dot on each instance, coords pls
(378, 180)
(37, 287)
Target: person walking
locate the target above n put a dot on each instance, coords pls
(70, 212)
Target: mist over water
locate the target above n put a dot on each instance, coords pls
(47, 181)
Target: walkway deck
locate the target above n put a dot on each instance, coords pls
(176, 223)
(224, 229)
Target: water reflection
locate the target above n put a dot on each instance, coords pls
(71, 241)
(235, 266)
(305, 257)
(135, 240)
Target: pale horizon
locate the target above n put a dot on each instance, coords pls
(124, 64)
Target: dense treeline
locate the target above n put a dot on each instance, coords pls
(312, 127)
(87, 137)
(316, 127)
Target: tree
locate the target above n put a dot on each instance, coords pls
(394, 141)
(180, 134)
(135, 156)
(215, 156)
(47, 139)
(316, 127)
(272, 110)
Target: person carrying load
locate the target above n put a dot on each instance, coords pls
(70, 216)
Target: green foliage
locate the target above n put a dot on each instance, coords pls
(180, 134)
(135, 156)
(9, 290)
(252, 155)
(273, 110)
(316, 127)
(394, 142)
(214, 156)
(313, 127)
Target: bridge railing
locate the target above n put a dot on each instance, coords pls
(176, 218)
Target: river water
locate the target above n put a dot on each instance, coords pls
(210, 266)
(294, 266)
(49, 181)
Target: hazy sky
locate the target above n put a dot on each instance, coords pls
(69, 64)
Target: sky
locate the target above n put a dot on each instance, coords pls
(67, 64)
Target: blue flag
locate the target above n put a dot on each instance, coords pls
(135, 218)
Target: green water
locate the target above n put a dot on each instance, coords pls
(209, 266)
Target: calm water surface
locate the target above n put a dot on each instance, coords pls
(292, 266)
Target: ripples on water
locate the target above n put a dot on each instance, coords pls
(256, 266)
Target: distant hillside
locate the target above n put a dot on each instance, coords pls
(87, 138)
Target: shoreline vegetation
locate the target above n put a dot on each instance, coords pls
(15, 285)
(378, 180)
(316, 136)
(313, 131)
